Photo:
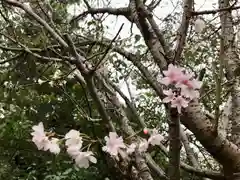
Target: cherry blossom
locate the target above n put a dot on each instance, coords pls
(196, 84)
(188, 87)
(39, 137)
(73, 143)
(113, 144)
(170, 96)
(73, 138)
(143, 146)
(72, 134)
(131, 148)
(54, 146)
(155, 138)
(189, 93)
(179, 102)
(83, 158)
(185, 79)
(172, 75)
(74, 150)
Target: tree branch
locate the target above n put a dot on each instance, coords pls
(214, 11)
(29, 11)
(174, 146)
(124, 11)
(182, 32)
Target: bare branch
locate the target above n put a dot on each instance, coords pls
(196, 171)
(182, 32)
(113, 11)
(139, 16)
(153, 4)
(230, 8)
(189, 151)
(107, 50)
(28, 10)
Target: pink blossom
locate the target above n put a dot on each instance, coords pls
(53, 146)
(188, 87)
(143, 146)
(131, 148)
(39, 137)
(113, 144)
(73, 138)
(74, 150)
(186, 81)
(196, 84)
(170, 96)
(179, 102)
(189, 93)
(172, 75)
(83, 159)
(155, 138)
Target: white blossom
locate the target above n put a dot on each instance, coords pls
(199, 25)
(40, 81)
(155, 138)
(143, 146)
(131, 148)
(54, 146)
(83, 159)
(74, 150)
(113, 144)
(39, 137)
(73, 138)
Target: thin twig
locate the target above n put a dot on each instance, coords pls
(107, 50)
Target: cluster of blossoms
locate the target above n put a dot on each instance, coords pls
(115, 144)
(183, 87)
(74, 142)
(42, 141)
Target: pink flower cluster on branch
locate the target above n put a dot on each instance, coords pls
(42, 141)
(183, 87)
(74, 142)
(115, 144)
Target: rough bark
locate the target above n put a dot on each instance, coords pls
(224, 151)
(174, 146)
(232, 64)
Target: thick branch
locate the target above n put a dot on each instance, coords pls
(231, 60)
(139, 16)
(174, 146)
